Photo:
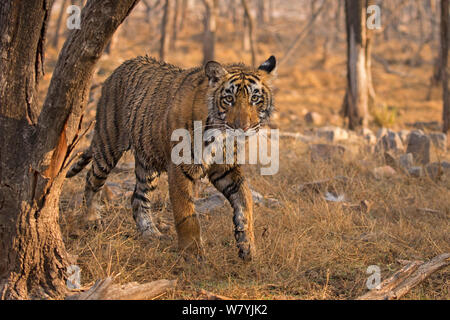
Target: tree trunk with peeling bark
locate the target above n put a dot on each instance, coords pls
(36, 141)
(355, 106)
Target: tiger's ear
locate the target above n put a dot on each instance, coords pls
(268, 66)
(214, 71)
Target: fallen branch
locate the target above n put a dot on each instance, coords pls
(407, 278)
(213, 296)
(106, 290)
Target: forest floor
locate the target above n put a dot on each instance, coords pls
(308, 247)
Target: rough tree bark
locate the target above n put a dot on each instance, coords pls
(209, 36)
(355, 104)
(35, 142)
(444, 64)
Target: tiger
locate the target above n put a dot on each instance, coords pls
(142, 102)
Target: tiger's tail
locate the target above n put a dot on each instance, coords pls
(84, 160)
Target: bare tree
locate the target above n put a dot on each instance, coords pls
(184, 9)
(37, 141)
(368, 54)
(62, 10)
(176, 10)
(355, 106)
(209, 36)
(249, 33)
(164, 38)
(444, 64)
(261, 12)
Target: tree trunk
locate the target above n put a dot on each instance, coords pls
(444, 64)
(271, 9)
(174, 25)
(261, 12)
(209, 37)
(368, 53)
(55, 41)
(356, 99)
(184, 7)
(251, 34)
(35, 143)
(164, 39)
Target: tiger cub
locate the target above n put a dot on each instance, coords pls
(142, 103)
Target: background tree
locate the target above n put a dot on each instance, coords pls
(164, 40)
(36, 141)
(355, 106)
(209, 24)
(444, 64)
(62, 11)
(249, 33)
(175, 18)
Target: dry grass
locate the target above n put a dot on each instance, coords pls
(308, 248)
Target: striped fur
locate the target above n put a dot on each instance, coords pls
(142, 103)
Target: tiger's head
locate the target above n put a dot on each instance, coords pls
(240, 97)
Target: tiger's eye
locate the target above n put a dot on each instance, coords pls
(255, 98)
(229, 99)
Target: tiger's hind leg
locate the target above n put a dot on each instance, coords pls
(102, 165)
(146, 182)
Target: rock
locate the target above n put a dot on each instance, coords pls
(384, 172)
(415, 171)
(406, 161)
(390, 159)
(313, 118)
(404, 135)
(206, 205)
(268, 202)
(217, 200)
(332, 134)
(389, 142)
(436, 169)
(419, 145)
(334, 197)
(368, 136)
(325, 151)
(439, 140)
(382, 132)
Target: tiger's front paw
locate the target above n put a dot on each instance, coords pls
(192, 251)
